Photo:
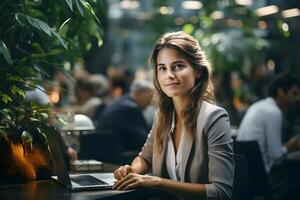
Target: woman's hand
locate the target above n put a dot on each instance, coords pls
(132, 181)
(122, 171)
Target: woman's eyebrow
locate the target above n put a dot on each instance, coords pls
(175, 62)
(178, 62)
(160, 65)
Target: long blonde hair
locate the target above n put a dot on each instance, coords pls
(189, 48)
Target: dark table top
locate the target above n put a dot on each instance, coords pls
(51, 190)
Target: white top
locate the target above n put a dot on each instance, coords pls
(90, 106)
(263, 123)
(173, 160)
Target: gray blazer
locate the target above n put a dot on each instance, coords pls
(207, 158)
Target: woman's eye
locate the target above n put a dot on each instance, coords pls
(161, 68)
(178, 66)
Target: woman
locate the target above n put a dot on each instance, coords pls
(189, 148)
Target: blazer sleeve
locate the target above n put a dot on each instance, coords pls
(220, 156)
(147, 150)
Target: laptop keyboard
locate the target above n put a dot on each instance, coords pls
(85, 180)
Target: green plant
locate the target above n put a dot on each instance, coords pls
(36, 38)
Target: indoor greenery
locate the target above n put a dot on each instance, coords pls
(36, 38)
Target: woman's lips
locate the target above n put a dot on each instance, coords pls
(171, 84)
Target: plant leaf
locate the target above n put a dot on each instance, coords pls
(90, 9)
(16, 90)
(38, 47)
(79, 7)
(6, 113)
(5, 98)
(54, 52)
(15, 78)
(26, 136)
(54, 33)
(5, 52)
(64, 23)
(42, 26)
(70, 4)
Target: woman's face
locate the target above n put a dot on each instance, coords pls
(175, 75)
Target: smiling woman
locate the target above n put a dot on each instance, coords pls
(189, 148)
(175, 75)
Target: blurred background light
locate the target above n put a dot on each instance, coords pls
(129, 5)
(262, 24)
(191, 5)
(268, 10)
(215, 15)
(179, 21)
(290, 13)
(285, 27)
(164, 10)
(244, 2)
(271, 65)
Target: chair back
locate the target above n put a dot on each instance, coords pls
(241, 180)
(259, 181)
(102, 145)
(105, 146)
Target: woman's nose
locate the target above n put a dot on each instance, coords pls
(170, 74)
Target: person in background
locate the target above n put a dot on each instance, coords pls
(263, 123)
(189, 148)
(118, 87)
(87, 101)
(125, 115)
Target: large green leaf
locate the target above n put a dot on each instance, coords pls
(40, 25)
(5, 98)
(90, 9)
(70, 4)
(15, 78)
(79, 7)
(6, 113)
(64, 23)
(5, 52)
(16, 90)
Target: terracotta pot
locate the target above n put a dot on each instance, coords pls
(19, 164)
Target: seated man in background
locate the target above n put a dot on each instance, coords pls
(87, 101)
(263, 123)
(125, 115)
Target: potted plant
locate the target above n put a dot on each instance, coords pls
(36, 38)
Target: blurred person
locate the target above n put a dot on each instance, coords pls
(241, 95)
(189, 148)
(263, 123)
(118, 86)
(100, 84)
(87, 101)
(37, 95)
(125, 115)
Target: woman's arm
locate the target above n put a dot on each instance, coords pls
(138, 166)
(176, 188)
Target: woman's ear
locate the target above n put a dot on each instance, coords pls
(198, 73)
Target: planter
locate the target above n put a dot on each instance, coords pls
(23, 162)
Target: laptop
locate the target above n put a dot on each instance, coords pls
(75, 182)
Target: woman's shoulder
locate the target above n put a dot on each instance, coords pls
(212, 115)
(208, 109)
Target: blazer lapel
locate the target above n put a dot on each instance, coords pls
(187, 144)
(158, 161)
(159, 158)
